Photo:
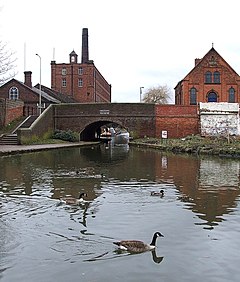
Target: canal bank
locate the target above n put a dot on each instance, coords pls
(223, 147)
(19, 149)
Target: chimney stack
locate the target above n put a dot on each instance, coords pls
(197, 61)
(85, 55)
(28, 78)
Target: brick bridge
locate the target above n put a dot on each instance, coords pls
(139, 118)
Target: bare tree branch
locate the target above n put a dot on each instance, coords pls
(7, 64)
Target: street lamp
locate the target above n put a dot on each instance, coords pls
(141, 88)
(40, 86)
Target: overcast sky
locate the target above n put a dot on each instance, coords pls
(132, 43)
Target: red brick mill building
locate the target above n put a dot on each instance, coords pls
(81, 81)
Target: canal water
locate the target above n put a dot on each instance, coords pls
(42, 240)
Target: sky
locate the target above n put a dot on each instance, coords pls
(132, 43)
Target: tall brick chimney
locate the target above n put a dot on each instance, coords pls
(28, 78)
(85, 55)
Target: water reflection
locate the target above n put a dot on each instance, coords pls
(120, 253)
(201, 195)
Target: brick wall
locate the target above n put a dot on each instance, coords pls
(10, 110)
(43, 124)
(178, 121)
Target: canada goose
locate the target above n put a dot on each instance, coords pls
(138, 246)
(73, 201)
(161, 193)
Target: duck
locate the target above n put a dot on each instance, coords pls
(136, 246)
(73, 201)
(161, 193)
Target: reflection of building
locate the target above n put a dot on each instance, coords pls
(81, 81)
(211, 80)
(218, 174)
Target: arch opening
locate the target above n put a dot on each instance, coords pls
(93, 131)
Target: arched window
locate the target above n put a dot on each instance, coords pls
(208, 77)
(231, 95)
(193, 96)
(216, 77)
(13, 93)
(212, 97)
(64, 71)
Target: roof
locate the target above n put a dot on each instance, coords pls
(212, 50)
(57, 95)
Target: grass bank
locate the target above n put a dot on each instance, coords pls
(219, 146)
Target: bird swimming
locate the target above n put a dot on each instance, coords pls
(161, 193)
(136, 246)
(73, 201)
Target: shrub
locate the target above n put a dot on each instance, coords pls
(66, 135)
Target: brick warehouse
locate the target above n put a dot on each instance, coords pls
(211, 80)
(81, 81)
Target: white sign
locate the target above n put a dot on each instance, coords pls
(164, 134)
(104, 112)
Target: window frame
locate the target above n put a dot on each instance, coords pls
(80, 71)
(13, 95)
(64, 82)
(208, 77)
(231, 95)
(64, 71)
(216, 77)
(193, 96)
(80, 82)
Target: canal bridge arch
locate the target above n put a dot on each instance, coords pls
(138, 119)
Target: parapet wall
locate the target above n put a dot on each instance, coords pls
(44, 124)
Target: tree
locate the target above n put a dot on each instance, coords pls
(157, 95)
(6, 64)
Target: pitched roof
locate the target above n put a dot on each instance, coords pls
(212, 50)
(57, 95)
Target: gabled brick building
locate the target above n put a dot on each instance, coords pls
(24, 91)
(81, 81)
(211, 80)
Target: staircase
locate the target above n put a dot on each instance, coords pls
(26, 123)
(10, 139)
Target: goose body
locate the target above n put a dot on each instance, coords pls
(73, 201)
(160, 194)
(136, 246)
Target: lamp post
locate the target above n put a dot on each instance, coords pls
(40, 86)
(141, 88)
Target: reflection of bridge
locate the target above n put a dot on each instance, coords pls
(139, 119)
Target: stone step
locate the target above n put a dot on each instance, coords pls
(10, 139)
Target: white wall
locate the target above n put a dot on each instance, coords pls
(219, 119)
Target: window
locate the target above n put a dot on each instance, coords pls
(231, 95)
(80, 71)
(64, 82)
(216, 77)
(208, 77)
(80, 82)
(64, 71)
(212, 97)
(13, 93)
(193, 96)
